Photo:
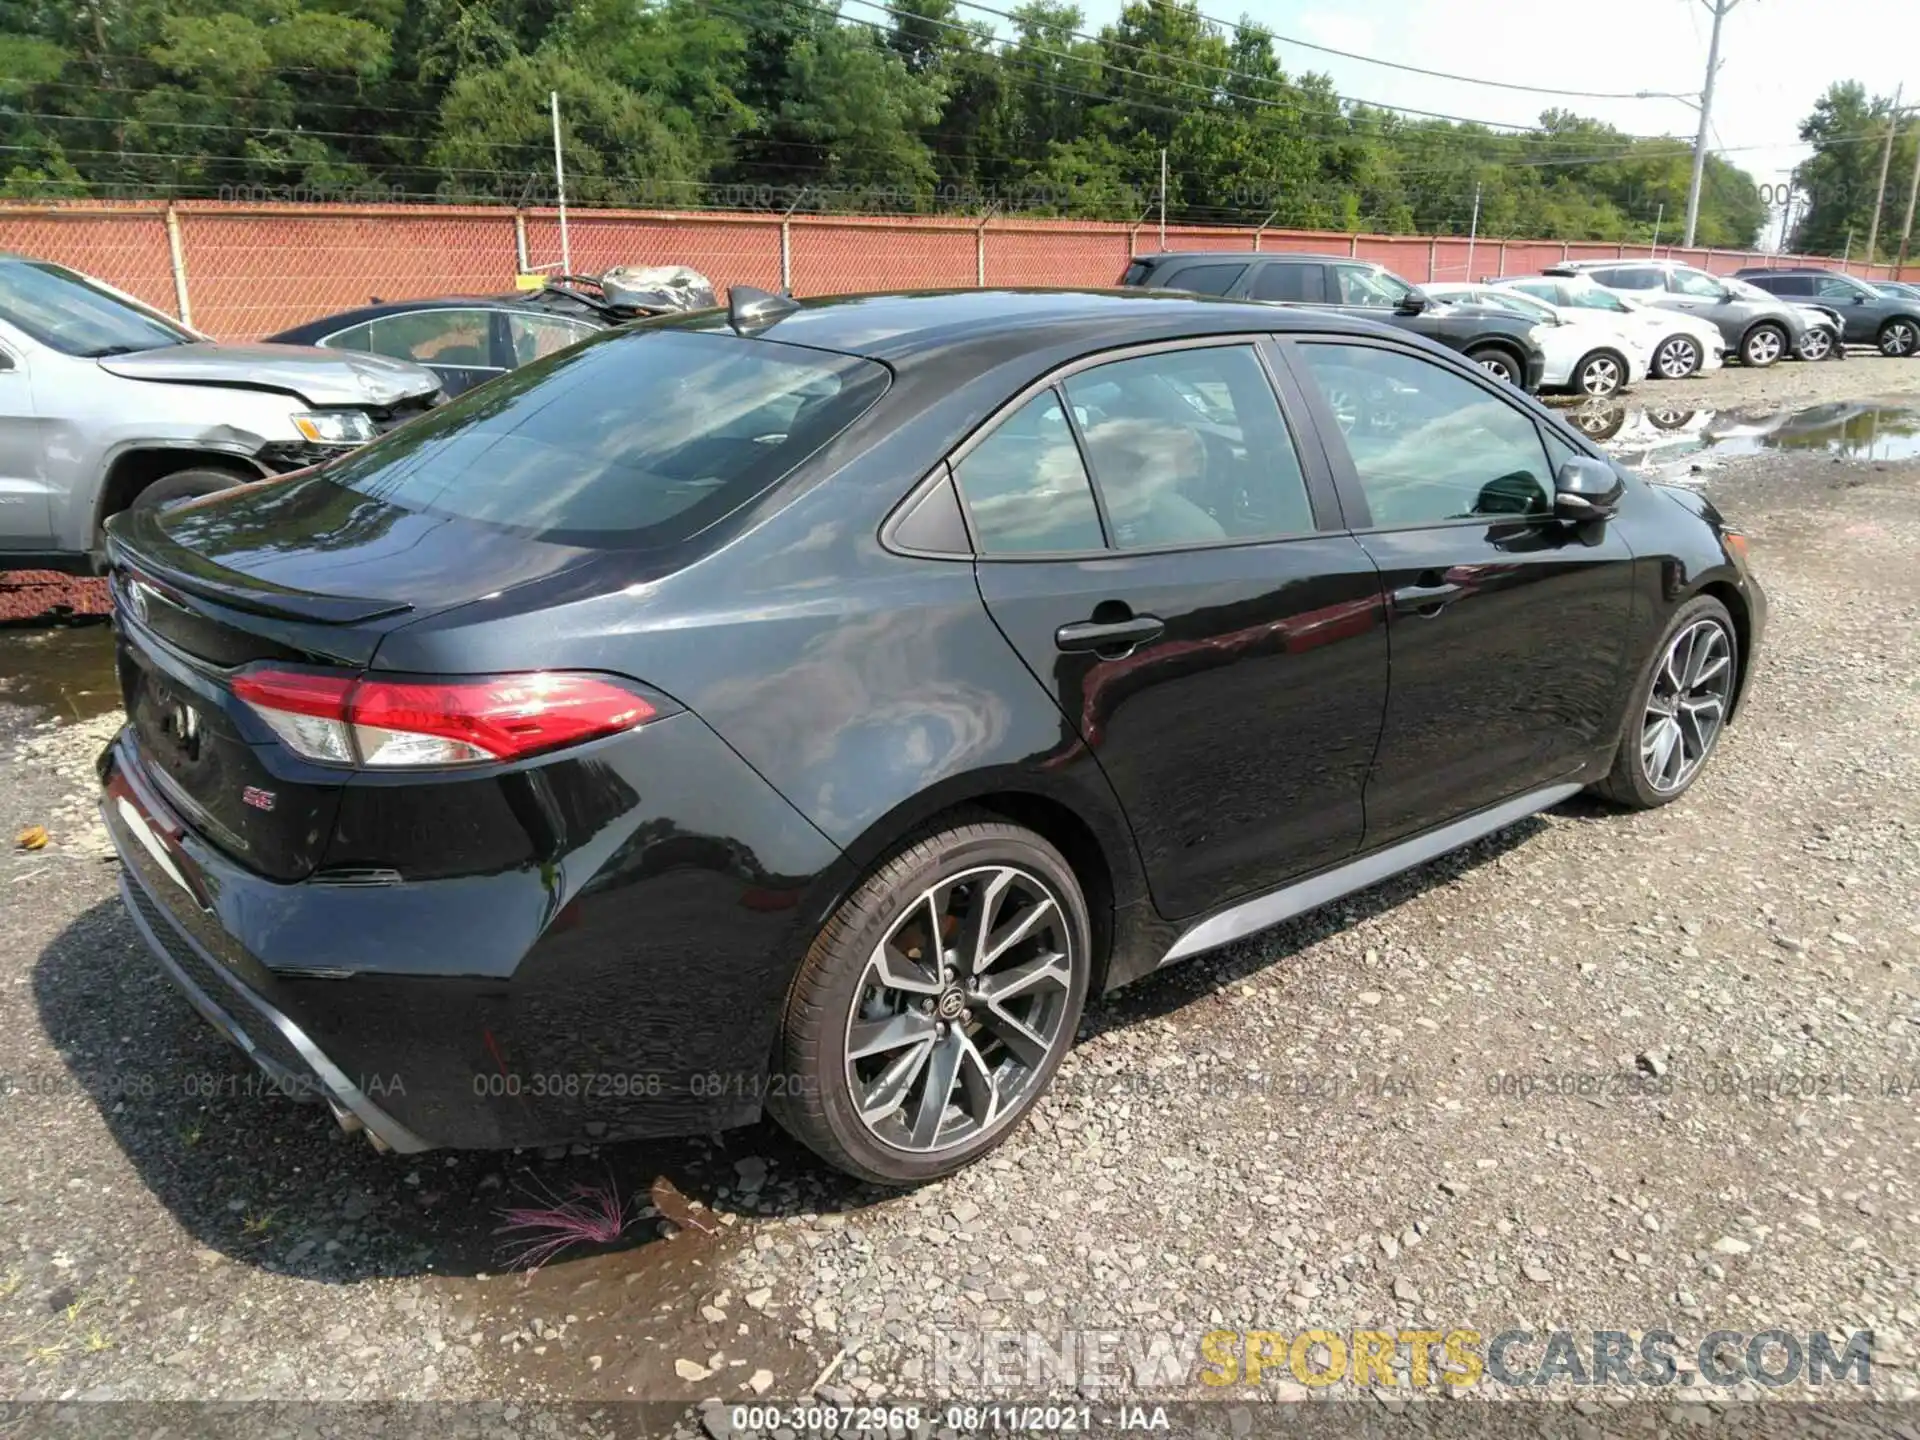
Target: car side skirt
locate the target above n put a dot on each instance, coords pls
(1262, 911)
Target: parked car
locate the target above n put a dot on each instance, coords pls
(1585, 352)
(1758, 332)
(1866, 316)
(1502, 345)
(1897, 288)
(468, 339)
(1681, 345)
(1822, 340)
(810, 705)
(107, 404)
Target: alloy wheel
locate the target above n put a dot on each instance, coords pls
(1601, 376)
(1676, 359)
(1899, 338)
(1817, 346)
(1763, 347)
(1687, 705)
(962, 1004)
(1498, 366)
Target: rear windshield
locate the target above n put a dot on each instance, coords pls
(636, 438)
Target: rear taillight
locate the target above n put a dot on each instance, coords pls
(385, 723)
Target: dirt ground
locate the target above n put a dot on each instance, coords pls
(1433, 1105)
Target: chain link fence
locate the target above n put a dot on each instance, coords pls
(241, 271)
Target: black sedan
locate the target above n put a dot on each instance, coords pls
(464, 339)
(1502, 344)
(811, 706)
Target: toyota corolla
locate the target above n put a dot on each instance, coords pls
(809, 706)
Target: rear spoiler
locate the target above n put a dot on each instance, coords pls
(156, 557)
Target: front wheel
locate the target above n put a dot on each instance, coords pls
(1497, 363)
(1818, 344)
(1601, 374)
(1899, 337)
(1677, 357)
(1764, 345)
(1679, 708)
(186, 485)
(935, 1005)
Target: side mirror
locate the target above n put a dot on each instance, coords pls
(1858, 298)
(1411, 304)
(1586, 489)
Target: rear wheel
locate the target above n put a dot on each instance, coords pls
(1679, 708)
(1763, 346)
(935, 1005)
(1899, 337)
(1601, 374)
(1496, 362)
(1677, 357)
(186, 485)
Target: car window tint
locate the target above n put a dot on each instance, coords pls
(354, 337)
(434, 337)
(1835, 288)
(1429, 444)
(1698, 283)
(1026, 487)
(537, 336)
(1205, 279)
(1301, 284)
(1632, 277)
(1190, 446)
(1362, 285)
(637, 437)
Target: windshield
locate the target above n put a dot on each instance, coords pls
(1592, 297)
(637, 437)
(68, 312)
(1898, 290)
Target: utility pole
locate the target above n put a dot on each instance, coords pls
(1913, 193)
(1654, 249)
(560, 185)
(1719, 9)
(1786, 214)
(1473, 231)
(1880, 188)
(1163, 201)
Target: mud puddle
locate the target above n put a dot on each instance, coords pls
(65, 670)
(1670, 438)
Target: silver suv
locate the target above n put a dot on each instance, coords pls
(105, 403)
(1758, 331)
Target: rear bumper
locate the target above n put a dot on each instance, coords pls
(630, 988)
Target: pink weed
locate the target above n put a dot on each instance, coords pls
(591, 1215)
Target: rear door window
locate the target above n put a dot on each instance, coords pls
(1025, 485)
(1301, 284)
(1632, 277)
(1204, 279)
(534, 337)
(637, 437)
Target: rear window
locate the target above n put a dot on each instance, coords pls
(1136, 273)
(635, 438)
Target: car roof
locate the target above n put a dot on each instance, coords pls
(904, 327)
(380, 309)
(1162, 257)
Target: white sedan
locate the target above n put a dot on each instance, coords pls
(1586, 352)
(1680, 344)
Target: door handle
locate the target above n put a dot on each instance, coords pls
(1104, 635)
(1425, 599)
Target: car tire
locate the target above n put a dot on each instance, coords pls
(1818, 345)
(1678, 357)
(865, 984)
(1499, 362)
(1899, 338)
(187, 485)
(1601, 374)
(1763, 345)
(1690, 679)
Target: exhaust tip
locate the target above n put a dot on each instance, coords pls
(348, 1121)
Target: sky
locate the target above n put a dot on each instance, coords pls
(1777, 57)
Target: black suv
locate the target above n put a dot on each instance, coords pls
(1501, 344)
(1869, 316)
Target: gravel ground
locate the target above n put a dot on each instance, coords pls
(1328, 1126)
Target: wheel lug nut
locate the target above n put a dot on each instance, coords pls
(926, 1006)
(948, 974)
